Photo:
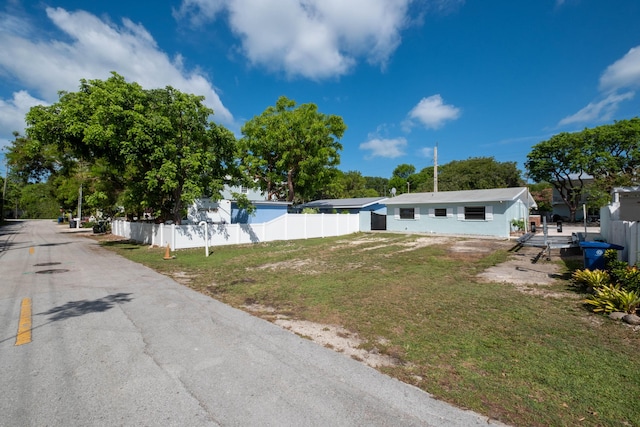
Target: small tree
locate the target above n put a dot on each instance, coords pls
(290, 151)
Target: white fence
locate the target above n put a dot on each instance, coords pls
(623, 233)
(627, 234)
(285, 227)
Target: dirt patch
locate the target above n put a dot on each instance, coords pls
(300, 265)
(182, 277)
(334, 337)
(521, 270)
(529, 272)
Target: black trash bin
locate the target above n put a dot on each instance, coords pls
(533, 226)
(72, 223)
(559, 226)
(594, 253)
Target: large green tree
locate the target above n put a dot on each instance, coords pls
(378, 184)
(472, 174)
(37, 201)
(291, 151)
(400, 176)
(608, 155)
(148, 150)
(561, 161)
(478, 173)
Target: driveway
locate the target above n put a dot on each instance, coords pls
(115, 343)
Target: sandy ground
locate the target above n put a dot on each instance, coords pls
(526, 270)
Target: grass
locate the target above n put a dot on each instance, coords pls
(520, 358)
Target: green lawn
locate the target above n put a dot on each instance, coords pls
(524, 359)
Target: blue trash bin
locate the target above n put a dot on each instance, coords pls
(594, 253)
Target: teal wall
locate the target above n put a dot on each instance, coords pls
(497, 224)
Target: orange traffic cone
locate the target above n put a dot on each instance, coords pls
(167, 255)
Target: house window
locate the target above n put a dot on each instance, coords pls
(440, 212)
(407, 213)
(474, 212)
(244, 190)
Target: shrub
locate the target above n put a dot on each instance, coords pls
(609, 298)
(611, 263)
(629, 277)
(590, 279)
(620, 272)
(518, 224)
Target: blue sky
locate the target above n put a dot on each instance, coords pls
(477, 78)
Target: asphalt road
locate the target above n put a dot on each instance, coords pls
(115, 343)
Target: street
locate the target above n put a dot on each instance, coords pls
(103, 341)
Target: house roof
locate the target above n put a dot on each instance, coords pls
(355, 203)
(466, 196)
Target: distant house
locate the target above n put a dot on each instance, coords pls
(226, 210)
(354, 205)
(560, 210)
(372, 210)
(265, 212)
(252, 194)
(208, 210)
(471, 212)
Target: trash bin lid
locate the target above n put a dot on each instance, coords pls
(601, 245)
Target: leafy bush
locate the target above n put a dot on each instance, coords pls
(590, 278)
(611, 263)
(609, 298)
(629, 277)
(309, 211)
(621, 272)
(518, 224)
(617, 288)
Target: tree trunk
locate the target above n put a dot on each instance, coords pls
(291, 193)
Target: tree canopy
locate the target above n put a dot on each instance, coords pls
(148, 150)
(608, 155)
(291, 152)
(471, 174)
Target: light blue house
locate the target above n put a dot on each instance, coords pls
(265, 212)
(372, 210)
(471, 212)
(353, 205)
(226, 209)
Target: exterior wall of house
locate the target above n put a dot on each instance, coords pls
(497, 222)
(251, 193)
(560, 207)
(210, 211)
(263, 213)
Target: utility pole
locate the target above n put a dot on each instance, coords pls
(435, 168)
(79, 207)
(4, 189)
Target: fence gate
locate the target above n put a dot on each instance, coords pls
(378, 222)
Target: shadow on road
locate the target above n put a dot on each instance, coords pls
(82, 307)
(78, 308)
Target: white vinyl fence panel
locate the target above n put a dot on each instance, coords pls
(285, 227)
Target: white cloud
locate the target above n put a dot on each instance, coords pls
(13, 111)
(426, 152)
(598, 111)
(388, 148)
(91, 48)
(432, 112)
(624, 73)
(617, 85)
(315, 39)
